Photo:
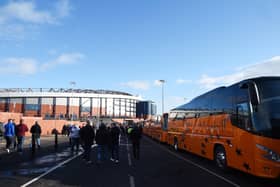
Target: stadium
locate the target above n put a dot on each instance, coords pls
(68, 104)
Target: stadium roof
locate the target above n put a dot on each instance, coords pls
(62, 90)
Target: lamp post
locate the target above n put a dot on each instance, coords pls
(72, 83)
(162, 94)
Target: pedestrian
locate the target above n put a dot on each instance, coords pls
(87, 137)
(102, 142)
(64, 130)
(36, 133)
(15, 137)
(129, 129)
(122, 130)
(75, 137)
(9, 134)
(135, 136)
(115, 135)
(21, 128)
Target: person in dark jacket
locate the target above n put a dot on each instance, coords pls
(101, 139)
(36, 133)
(114, 137)
(135, 137)
(87, 137)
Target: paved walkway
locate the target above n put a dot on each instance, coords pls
(46, 141)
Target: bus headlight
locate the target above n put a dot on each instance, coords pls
(271, 155)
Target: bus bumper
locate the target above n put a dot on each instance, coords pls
(267, 169)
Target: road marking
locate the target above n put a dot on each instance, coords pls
(127, 147)
(197, 165)
(131, 181)
(52, 169)
(128, 154)
(125, 144)
(129, 159)
(131, 178)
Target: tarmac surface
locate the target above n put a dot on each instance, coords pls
(159, 165)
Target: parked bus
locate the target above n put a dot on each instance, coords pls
(236, 126)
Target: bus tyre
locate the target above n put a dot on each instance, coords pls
(175, 144)
(220, 157)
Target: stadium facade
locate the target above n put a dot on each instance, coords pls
(68, 103)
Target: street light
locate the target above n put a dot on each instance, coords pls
(72, 83)
(162, 94)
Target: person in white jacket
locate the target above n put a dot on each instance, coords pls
(75, 137)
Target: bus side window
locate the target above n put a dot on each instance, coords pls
(243, 116)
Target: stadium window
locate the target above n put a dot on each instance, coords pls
(33, 107)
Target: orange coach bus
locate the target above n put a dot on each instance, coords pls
(236, 126)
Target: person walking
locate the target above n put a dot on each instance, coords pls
(64, 130)
(115, 135)
(75, 137)
(87, 137)
(9, 133)
(102, 142)
(21, 128)
(36, 133)
(135, 136)
(15, 137)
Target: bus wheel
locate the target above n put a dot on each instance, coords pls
(220, 157)
(175, 144)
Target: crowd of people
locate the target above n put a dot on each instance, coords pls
(107, 139)
(14, 134)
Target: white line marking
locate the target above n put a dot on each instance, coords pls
(126, 144)
(131, 181)
(129, 159)
(197, 165)
(52, 169)
(128, 154)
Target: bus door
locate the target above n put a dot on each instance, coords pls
(244, 145)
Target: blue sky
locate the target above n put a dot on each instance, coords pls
(127, 45)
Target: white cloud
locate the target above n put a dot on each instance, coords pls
(183, 81)
(63, 8)
(21, 66)
(26, 12)
(63, 59)
(270, 67)
(28, 66)
(26, 15)
(139, 85)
